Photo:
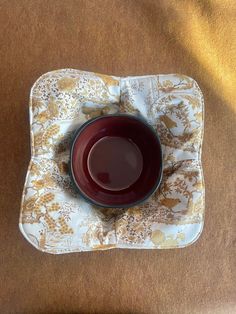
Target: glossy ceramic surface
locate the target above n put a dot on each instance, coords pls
(116, 161)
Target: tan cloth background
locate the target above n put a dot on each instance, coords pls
(196, 38)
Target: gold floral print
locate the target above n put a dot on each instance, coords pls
(64, 229)
(29, 204)
(54, 207)
(34, 169)
(43, 140)
(103, 246)
(63, 167)
(108, 80)
(93, 112)
(40, 209)
(52, 213)
(170, 202)
(46, 181)
(46, 198)
(127, 107)
(36, 103)
(67, 84)
(42, 240)
(160, 239)
(168, 122)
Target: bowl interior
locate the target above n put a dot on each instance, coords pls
(103, 143)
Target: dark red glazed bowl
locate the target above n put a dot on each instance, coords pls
(116, 161)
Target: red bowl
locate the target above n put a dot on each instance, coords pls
(116, 161)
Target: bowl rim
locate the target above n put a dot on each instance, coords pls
(71, 172)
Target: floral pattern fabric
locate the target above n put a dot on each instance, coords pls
(55, 219)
